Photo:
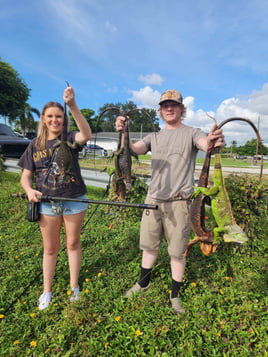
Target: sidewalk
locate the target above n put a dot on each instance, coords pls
(243, 170)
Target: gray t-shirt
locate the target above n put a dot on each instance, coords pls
(173, 162)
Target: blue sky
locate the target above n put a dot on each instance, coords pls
(215, 52)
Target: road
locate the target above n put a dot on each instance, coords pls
(239, 170)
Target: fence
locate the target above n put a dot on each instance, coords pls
(91, 177)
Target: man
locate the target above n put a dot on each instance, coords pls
(174, 151)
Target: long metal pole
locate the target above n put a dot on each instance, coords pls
(48, 198)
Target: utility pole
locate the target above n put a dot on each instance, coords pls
(257, 146)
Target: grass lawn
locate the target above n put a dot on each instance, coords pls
(224, 294)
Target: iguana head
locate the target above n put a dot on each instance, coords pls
(234, 234)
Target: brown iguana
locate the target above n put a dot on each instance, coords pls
(197, 212)
(62, 157)
(123, 179)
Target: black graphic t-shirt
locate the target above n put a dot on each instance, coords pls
(51, 179)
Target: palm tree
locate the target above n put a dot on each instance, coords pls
(233, 145)
(25, 120)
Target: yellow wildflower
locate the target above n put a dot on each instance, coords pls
(118, 318)
(69, 292)
(138, 333)
(99, 274)
(86, 291)
(106, 344)
(87, 279)
(2, 316)
(221, 291)
(228, 278)
(194, 284)
(16, 342)
(32, 314)
(33, 343)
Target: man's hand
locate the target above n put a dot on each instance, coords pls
(120, 123)
(216, 137)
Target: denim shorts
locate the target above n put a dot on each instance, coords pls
(59, 208)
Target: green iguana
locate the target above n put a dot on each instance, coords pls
(227, 228)
(222, 211)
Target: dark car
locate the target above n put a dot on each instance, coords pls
(94, 150)
(10, 144)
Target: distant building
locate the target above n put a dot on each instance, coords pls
(109, 141)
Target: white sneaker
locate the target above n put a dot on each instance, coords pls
(75, 294)
(44, 300)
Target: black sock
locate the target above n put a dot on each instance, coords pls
(145, 277)
(176, 285)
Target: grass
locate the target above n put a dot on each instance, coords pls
(144, 163)
(225, 294)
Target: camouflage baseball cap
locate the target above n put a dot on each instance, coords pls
(171, 94)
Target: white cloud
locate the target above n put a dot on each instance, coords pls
(151, 79)
(253, 106)
(146, 97)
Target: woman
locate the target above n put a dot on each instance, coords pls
(40, 160)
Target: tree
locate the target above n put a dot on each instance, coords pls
(233, 146)
(249, 149)
(13, 92)
(90, 117)
(25, 121)
(138, 120)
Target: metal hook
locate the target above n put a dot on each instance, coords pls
(56, 210)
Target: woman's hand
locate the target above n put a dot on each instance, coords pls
(33, 195)
(69, 96)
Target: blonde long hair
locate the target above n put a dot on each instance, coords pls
(42, 131)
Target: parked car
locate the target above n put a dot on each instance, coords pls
(11, 145)
(94, 150)
(241, 157)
